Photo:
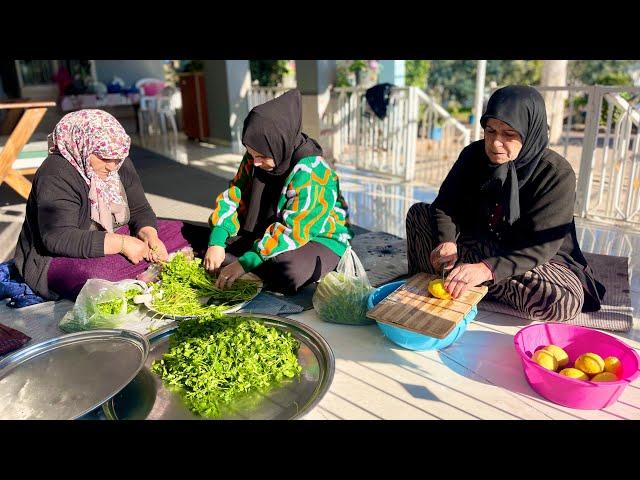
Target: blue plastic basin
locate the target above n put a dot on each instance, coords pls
(411, 340)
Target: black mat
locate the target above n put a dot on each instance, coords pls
(616, 313)
(383, 257)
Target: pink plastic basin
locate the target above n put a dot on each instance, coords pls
(571, 392)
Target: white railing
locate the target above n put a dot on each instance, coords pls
(609, 182)
(441, 138)
(569, 141)
(259, 95)
(403, 144)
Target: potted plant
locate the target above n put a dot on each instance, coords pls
(436, 129)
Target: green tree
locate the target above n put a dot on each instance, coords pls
(455, 80)
(452, 80)
(514, 72)
(601, 72)
(269, 73)
(416, 73)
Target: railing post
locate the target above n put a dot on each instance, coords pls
(412, 135)
(585, 177)
(358, 162)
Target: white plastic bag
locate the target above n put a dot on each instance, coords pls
(103, 304)
(341, 296)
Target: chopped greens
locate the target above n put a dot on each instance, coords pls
(114, 307)
(212, 362)
(106, 309)
(342, 299)
(183, 282)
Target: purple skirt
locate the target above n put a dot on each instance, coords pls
(67, 276)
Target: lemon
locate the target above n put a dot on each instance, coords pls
(613, 365)
(590, 363)
(574, 373)
(545, 359)
(559, 353)
(605, 377)
(436, 288)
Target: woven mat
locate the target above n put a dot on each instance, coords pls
(383, 256)
(616, 313)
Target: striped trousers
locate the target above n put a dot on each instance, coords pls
(548, 292)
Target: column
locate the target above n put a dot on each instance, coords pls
(392, 71)
(314, 79)
(227, 83)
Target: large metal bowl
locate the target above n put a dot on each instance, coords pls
(147, 398)
(65, 377)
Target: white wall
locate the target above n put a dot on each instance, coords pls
(129, 70)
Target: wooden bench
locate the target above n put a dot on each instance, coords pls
(32, 116)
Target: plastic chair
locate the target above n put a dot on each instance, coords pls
(150, 86)
(147, 115)
(156, 103)
(165, 112)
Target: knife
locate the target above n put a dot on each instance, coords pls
(443, 269)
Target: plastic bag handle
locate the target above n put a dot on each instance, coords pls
(351, 265)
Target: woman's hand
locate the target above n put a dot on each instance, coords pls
(213, 259)
(444, 256)
(466, 275)
(135, 249)
(229, 274)
(157, 249)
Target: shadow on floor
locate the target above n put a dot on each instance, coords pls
(165, 177)
(490, 356)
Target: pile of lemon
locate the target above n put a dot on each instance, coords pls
(588, 366)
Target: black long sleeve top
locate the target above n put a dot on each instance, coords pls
(58, 219)
(544, 232)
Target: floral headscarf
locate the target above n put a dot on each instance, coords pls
(78, 135)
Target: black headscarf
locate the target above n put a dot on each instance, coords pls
(523, 109)
(274, 129)
(378, 98)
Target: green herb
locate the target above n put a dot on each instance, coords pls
(103, 311)
(342, 299)
(213, 362)
(183, 282)
(111, 307)
(129, 294)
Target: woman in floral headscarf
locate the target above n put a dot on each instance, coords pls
(87, 215)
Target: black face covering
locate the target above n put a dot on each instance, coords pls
(523, 109)
(273, 129)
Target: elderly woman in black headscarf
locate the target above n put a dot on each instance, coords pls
(510, 199)
(283, 217)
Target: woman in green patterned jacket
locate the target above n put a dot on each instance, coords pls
(283, 217)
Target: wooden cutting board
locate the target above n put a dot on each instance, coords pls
(412, 307)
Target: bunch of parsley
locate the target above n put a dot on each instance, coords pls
(213, 361)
